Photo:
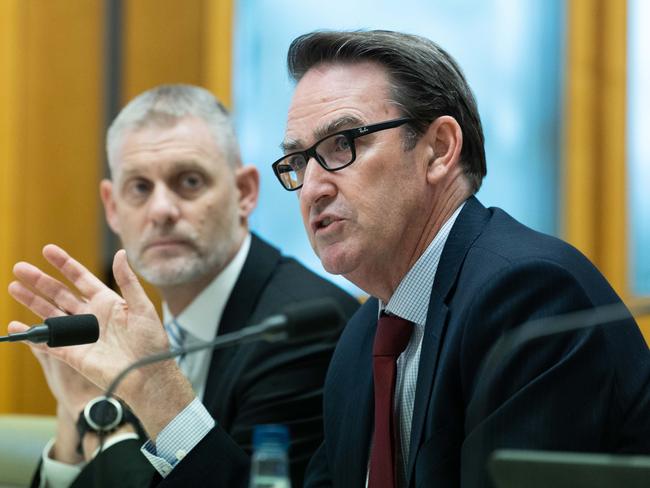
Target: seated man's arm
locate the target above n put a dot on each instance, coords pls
(129, 330)
(279, 383)
(575, 391)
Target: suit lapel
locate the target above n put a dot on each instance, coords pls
(355, 421)
(466, 229)
(258, 267)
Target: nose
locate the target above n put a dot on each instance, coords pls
(317, 184)
(163, 206)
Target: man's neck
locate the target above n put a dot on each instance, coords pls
(442, 209)
(179, 297)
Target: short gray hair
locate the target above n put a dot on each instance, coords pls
(164, 105)
(426, 82)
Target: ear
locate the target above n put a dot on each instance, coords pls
(445, 139)
(248, 183)
(106, 194)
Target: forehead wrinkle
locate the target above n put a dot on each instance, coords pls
(322, 131)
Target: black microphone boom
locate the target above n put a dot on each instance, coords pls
(67, 330)
(298, 322)
(558, 324)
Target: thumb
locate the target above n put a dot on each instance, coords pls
(132, 290)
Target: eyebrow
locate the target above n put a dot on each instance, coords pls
(180, 165)
(347, 121)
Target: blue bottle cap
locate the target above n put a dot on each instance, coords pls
(276, 435)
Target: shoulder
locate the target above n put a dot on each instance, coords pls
(507, 250)
(289, 281)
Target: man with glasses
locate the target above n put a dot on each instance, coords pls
(385, 145)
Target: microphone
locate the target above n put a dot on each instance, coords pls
(68, 330)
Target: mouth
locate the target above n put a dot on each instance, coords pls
(166, 244)
(324, 223)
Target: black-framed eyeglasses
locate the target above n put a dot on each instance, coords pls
(333, 153)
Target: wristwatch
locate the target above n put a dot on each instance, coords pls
(102, 416)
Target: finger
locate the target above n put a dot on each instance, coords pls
(86, 282)
(35, 303)
(15, 327)
(130, 286)
(50, 288)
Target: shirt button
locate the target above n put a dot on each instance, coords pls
(165, 469)
(180, 454)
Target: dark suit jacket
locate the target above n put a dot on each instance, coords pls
(251, 384)
(579, 391)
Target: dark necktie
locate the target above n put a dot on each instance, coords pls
(392, 336)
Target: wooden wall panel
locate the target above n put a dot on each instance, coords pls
(10, 148)
(218, 24)
(595, 192)
(163, 43)
(167, 41)
(51, 101)
(596, 199)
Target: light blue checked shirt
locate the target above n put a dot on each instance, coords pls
(410, 301)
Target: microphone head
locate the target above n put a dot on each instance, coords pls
(313, 319)
(72, 330)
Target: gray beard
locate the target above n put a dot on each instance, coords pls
(183, 270)
(180, 270)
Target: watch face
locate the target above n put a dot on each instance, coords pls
(104, 414)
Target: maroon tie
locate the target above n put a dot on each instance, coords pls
(392, 336)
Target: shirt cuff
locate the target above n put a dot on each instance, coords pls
(178, 437)
(55, 474)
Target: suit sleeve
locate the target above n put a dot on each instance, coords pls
(279, 383)
(584, 390)
(120, 465)
(318, 474)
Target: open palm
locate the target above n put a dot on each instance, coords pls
(129, 326)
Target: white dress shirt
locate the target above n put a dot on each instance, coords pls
(200, 319)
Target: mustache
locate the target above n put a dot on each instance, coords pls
(335, 207)
(175, 236)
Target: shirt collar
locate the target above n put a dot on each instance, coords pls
(202, 316)
(411, 297)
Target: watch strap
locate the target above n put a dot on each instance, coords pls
(93, 419)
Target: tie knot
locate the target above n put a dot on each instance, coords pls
(392, 336)
(176, 334)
